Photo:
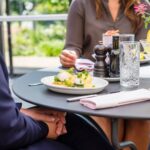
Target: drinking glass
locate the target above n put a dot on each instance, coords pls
(129, 63)
(126, 37)
(107, 40)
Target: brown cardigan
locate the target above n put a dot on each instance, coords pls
(84, 30)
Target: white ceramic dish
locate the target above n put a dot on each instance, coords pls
(147, 60)
(99, 83)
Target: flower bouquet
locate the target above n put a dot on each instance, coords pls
(142, 9)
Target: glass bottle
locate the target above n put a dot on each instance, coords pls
(114, 58)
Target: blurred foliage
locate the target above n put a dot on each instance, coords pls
(54, 6)
(49, 48)
(39, 42)
(39, 6)
(41, 38)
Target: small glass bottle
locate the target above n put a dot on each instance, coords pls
(114, 58)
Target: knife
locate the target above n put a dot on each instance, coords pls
(77, 98)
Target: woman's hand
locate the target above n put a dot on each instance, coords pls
(111, 32)
(68, 58)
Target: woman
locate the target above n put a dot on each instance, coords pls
(87, 21)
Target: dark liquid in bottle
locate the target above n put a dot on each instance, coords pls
(114, 58)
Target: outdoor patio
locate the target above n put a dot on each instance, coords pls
(32, 36)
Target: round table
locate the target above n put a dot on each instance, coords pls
(40, 95)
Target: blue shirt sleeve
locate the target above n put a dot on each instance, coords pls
(16, 129)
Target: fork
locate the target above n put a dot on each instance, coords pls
(35, 84)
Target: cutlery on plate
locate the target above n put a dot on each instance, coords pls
(34, 84)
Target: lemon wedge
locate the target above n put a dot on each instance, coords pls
(148, 36)
(142, 56)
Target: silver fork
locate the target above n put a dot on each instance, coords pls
(34, 84)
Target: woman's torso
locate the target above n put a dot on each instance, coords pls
(94, 28)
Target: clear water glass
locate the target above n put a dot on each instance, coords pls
(126, 37)
(108, 39)
(129, 63)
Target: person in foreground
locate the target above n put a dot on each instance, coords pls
(87, 21)
(39, 128)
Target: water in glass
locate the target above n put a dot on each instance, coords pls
(129, 64)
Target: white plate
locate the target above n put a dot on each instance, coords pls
(99, 83)
(147, 60)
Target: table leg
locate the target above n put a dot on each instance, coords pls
(120, 145)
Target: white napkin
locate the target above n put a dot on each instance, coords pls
(84, 64)
(116, 99)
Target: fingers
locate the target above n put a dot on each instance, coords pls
(52, 130)
(64, 130)
(112, 32)
(47, 117)
(71, 55)
(54, 119)
(68, 58)
(55, 130)
(50, 117)
(66, 62)
(61, 116)
(59, 129)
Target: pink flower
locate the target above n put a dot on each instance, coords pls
(140, 8)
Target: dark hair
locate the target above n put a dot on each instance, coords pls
(128, 6)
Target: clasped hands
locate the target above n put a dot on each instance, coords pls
(55, 120)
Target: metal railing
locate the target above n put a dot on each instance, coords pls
(51, 17)
(1, 31)
(8, 19)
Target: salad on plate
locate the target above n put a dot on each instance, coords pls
(70, 78)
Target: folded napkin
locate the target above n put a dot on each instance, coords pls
(84, 64)
(116, 99)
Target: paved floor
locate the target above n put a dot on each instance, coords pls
(35, 62)
(26, 64)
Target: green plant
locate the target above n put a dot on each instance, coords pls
(41, 42)
(39, 6)
(53, 6)
(50, 48)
